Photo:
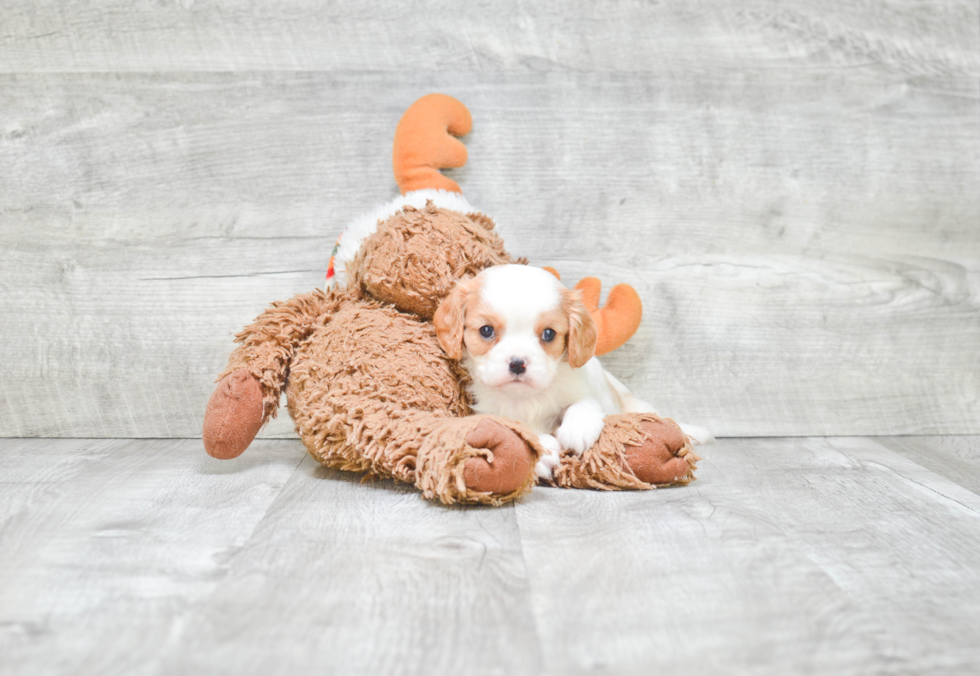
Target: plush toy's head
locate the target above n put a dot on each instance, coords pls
(412, 250)
(415, 257)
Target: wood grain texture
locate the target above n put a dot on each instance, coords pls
(786, 556)
(956, 458)
(352, 578)
(792, 189)
(400, 35)
(106, 545)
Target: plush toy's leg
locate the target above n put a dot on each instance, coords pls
(635, 451)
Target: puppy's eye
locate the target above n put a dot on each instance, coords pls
(486, 331)
(548, 335)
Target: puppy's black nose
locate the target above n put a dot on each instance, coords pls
(517, 366)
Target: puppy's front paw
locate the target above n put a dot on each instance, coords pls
(545, 467)
(580, 432)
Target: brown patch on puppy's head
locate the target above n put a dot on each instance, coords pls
(450, 317)
(460, 318)
(557, 321)
(582, 331)
(478, 315)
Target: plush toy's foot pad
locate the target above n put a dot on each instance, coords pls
(478, 459)
(664, 457)
(635, 451)
(512, 460)
(233, 416)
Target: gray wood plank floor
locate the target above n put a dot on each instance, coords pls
(789, 555)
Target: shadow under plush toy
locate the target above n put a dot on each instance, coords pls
(368, 386)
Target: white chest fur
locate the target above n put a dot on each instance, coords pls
(542, 409)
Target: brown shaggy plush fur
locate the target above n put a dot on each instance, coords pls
(397, 262)
(268, 343)
(370, 389)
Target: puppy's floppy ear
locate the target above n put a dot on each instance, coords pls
(449, 320)
(582, 332)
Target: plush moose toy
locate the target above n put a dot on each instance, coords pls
(368, 386)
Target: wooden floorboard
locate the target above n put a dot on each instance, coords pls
(105, 546)
(955, 457)
(352, 578)
(788, 556)
(802, 555)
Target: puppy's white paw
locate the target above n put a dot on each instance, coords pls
(698, 435)
(580, 432)
(545, 468)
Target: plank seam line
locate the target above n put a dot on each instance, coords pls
(939, 496)
(527, 577)
(175, 638)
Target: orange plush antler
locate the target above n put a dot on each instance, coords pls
(619, 319)
(424, 143)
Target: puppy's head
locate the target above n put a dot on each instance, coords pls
(515, 325)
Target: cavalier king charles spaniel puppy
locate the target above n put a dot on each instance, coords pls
(528, 344)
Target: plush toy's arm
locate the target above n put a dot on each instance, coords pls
(249, 388)
(266, 345)
(455, 459)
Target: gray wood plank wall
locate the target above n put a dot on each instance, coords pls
(792, 187)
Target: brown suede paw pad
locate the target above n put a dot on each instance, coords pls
(233, 416)
(635, 451)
